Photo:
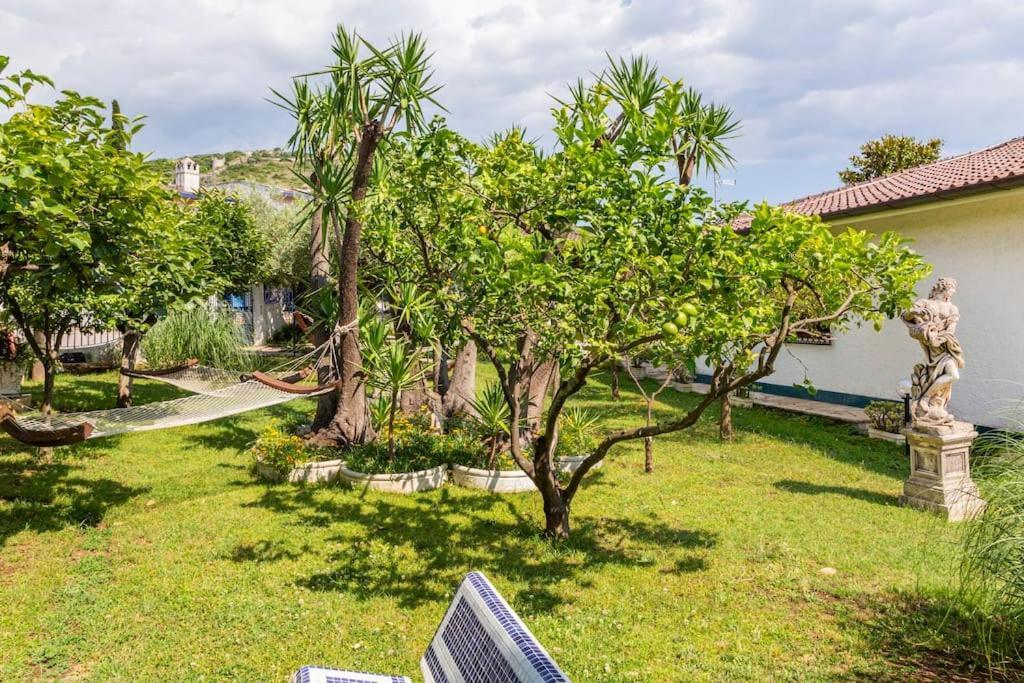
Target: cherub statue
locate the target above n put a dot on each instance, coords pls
(932, 322)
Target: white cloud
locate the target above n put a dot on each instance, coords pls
(811, 79)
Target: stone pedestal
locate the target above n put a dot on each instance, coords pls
(11, 395)
(940, 472)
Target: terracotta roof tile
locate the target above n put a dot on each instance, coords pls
(973, 171)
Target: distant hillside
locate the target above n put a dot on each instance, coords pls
(265, 166)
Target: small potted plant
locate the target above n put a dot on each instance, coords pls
(281, 455)
(885, 420)
(408, 455)
(491, 467)
(576, 438)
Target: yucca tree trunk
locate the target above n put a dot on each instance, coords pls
(350, 424)
(319, 277)
(537, 392)
(462, 387)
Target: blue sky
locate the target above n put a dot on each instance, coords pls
(810, 80)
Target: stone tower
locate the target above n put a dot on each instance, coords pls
(186, 175)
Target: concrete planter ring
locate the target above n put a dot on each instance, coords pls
(310, 472)
(571, 463)
(886, 436)
(403, 482)
(495, 481)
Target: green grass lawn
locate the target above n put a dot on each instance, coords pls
(158, 555)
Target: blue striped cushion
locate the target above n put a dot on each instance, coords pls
(481, 640)
(316, 674)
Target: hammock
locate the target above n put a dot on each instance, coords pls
(216, 393)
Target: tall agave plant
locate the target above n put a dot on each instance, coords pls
(491, 418)
(392, 369)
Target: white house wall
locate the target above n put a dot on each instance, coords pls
(980, 242)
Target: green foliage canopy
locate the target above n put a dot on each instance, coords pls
(77, 211)
(240, 252)
(584, 254)
(889, 154)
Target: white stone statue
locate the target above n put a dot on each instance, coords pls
(932, 322)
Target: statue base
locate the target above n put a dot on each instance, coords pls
(940, 472)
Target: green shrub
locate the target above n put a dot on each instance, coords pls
(197, 332)
(886, 416)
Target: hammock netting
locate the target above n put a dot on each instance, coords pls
(216, 393)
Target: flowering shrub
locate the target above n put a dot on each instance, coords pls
(278, 447)
(886, 416)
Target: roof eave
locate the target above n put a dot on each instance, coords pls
(976, 188)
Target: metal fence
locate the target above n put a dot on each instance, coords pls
(77, 339)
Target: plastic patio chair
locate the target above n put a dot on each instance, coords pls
(480, 640)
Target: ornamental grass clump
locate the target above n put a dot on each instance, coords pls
(213, 337)
(992, 564)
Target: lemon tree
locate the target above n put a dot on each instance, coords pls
(582, 254)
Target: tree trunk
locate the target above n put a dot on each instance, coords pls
(49, 371)
(414, 398)
(351, 422)
(38, 373)
(537, 392)
(130, 343)
(556, 508)
(616, 388)
(556, 521)
(648, 454)
(725, 419)
(319, 276)
(442, 381)
(462, 388)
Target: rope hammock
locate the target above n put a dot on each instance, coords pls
(216, 393)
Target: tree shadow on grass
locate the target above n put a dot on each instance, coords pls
(810, 489)
(929, 638)
(48, 497)
(418, 549)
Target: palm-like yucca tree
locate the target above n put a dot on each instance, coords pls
(700, 144)
(341, 124)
